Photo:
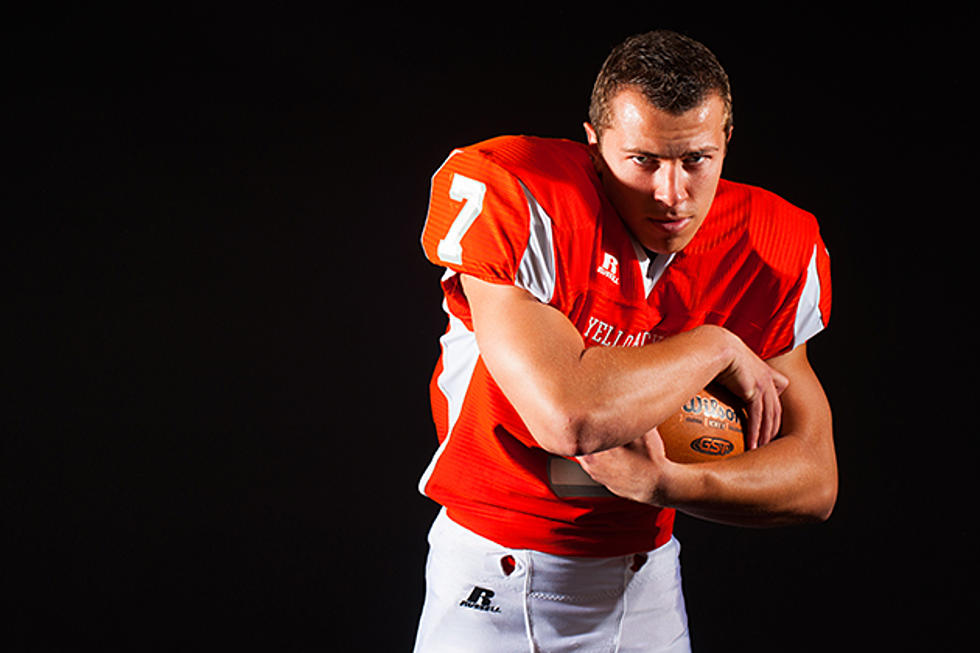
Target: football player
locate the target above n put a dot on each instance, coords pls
(591, 289)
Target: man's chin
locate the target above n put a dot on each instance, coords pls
(665, 243)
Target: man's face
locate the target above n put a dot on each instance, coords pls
(661, 170)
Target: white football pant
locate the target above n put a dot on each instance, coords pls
(482, 597)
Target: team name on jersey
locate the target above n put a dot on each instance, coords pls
(608, 335)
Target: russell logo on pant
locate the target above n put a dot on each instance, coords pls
(480, 599)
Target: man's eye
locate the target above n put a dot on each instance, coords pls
(696, 159)
(640, 159)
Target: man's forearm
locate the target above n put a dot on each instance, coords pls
(793, 479)
(772, 486)
(577, 400)
(624, 392)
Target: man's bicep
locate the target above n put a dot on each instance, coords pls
(806, 410)
(531, 350)
(807, 419)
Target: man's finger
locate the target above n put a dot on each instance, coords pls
(755, 410)
(780, 381)
(772, 418)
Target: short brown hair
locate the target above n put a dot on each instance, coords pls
(674, 72)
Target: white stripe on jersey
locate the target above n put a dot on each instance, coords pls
(459, 356)
(809, 320)
(536, 273)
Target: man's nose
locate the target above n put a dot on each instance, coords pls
(668, 184)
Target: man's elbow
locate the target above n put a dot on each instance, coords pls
(813, 504)
(827, 501)
(825, 491)
(821, 503)
(569, 434)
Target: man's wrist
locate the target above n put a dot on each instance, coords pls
(677, 485)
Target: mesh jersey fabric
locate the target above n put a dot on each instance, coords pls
(531, 212)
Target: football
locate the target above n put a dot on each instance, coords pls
(708, 427)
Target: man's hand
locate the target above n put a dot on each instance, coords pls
(577, 400)
(635, 471)
(759, 385)
(793, 479)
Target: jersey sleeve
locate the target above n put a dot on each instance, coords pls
(813, 307)
(482, 222)
(805, 309)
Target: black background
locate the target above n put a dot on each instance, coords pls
(220, 326)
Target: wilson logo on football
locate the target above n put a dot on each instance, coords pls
(712, 446)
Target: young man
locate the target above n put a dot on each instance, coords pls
(592, 289)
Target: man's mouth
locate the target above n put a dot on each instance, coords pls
(670, 224)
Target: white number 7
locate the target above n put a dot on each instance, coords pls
(470, 192)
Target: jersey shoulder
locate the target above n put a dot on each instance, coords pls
(782, 234)
(492, 202)
(760, 263)
(557, 173)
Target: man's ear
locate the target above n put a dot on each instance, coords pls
(591, 137)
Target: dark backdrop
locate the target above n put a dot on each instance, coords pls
(220, 326)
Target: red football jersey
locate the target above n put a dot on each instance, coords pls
(531, 212)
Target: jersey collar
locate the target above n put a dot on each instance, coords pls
(652, 265)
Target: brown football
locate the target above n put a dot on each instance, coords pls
(708, 427)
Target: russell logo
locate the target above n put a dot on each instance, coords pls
(480, 599)
(609, 268)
